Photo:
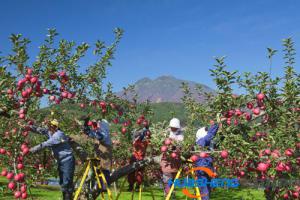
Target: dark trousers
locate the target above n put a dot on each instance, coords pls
(136, 176)
(66, 169)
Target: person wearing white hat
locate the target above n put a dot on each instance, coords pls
(204, 137)
(170, 166)
(175, 130)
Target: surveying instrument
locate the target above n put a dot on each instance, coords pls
(196, 189)
(92, 166)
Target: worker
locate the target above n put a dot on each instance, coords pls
(62, 151)
(140, 144)
(102, 147)
(170, 166)
(204, 137)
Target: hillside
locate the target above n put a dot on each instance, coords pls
(165, 89)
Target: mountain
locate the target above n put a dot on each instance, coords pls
(165, 89)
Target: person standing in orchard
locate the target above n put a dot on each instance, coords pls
(62, 151)
(170, 165)
(140, 144)
(204, 137)
(102, 146)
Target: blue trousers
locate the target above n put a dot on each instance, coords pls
(66, 169)
(204, 162)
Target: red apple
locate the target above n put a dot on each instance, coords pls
(228, 121)
(33, 80)
(29, 71)
(256, 111)
(22, 116)
(262, 167)
(173, 155)
(23, 188)
(242, 173)
(17, 178)
(17, 194)
(194, 158)
(168, 141)
(249, 105)
(203, 155)
(238, 112)
(260, 96)
(25, 151)
(163, 148)
(27, 77)
(24, 94)
(4, 172)
(280, 167)
(286, 196)
(82, 105)
(45, 91)
(102, 104)
(224, 154)
(248, 116)
(145, 123)
(289, 152)
(21, 176)
(25, 133)
(52, 98)
(23, 146)
(2, 151)
(9, 91)
(275, 154)
(64, 94)
(62, 74)
(123, 130)
(24, 195)
(20, 166)
(10, 175)
(295, 195)
(11, 185)
(267, 151)
(113, 106)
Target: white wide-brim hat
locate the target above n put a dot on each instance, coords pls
(201, 133)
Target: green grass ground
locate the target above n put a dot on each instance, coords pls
(53, 193)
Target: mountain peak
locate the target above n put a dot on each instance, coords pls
(164, 88)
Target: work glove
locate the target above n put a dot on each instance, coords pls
(35, 148)
(218, 118)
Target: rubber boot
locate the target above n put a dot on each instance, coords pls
(67, 196)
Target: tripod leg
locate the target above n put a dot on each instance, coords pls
(132, 194)
(196, 188)
(172, 188)
(140, 192)
(106, 185)
(153, 198)
(82, 180)
(121, 189)
(98, 182)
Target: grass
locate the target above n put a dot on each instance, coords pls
(53, 193)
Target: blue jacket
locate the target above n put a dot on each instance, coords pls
(58, 142)
(101, 134)
(204, 142)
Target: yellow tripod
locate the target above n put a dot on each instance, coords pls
(177, 177)
(92, 165)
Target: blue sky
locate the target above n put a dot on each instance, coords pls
(162, 37)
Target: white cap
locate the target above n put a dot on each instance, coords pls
(201, 133)
(175, 123)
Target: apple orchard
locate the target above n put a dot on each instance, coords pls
(259, 138)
